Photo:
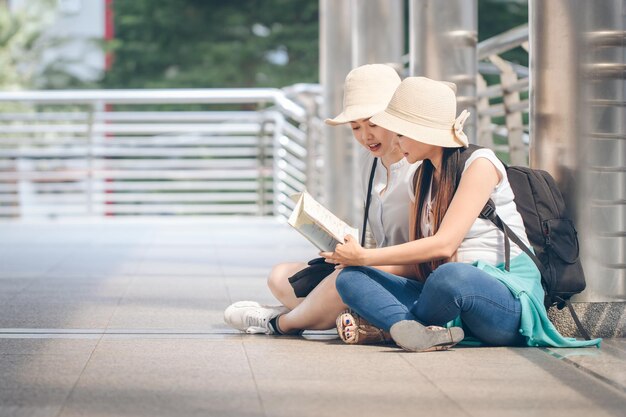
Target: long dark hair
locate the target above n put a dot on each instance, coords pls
(443, 189)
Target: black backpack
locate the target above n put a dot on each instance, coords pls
(550, 232)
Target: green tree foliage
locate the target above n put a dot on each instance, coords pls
(25, 41)
(22, 44)
(200, 43)
(213, 43)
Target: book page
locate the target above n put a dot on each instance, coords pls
(307, 227)
(336, 227)
(318, 224)
(318, 236)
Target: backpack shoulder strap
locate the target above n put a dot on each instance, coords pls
(489, 212)
(464, 155)
(368, 200)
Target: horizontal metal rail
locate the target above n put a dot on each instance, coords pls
(271, 96)
(502, 106)
(73, 153)
(502, 42)
(113, 150)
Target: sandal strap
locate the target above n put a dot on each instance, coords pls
(362, 332)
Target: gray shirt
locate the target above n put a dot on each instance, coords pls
(388, 219)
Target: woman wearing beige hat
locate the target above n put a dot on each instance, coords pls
(458, 257)
(367, 91)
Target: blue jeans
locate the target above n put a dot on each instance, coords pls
(487, 308)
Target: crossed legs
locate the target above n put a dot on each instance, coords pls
(317, 311)
(484, 304)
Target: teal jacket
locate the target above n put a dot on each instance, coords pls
(524, 282)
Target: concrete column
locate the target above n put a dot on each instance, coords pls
(335, 63)
(352, 33)
(378, 32)
(577, 113)
(577, 126)
(377, 37)
(442, 45)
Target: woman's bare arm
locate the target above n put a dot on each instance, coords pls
(477, 184)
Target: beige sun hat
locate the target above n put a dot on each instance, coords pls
(425, 110)
(367, 91)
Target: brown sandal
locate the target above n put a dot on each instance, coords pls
(355, 330)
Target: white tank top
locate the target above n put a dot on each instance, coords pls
(485, 241)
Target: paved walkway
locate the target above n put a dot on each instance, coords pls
(124, 318)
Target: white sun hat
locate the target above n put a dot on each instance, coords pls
(367, 91)
(425, 110)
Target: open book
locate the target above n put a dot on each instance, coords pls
(318, 224)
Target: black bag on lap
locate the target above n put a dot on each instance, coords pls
(308, 278)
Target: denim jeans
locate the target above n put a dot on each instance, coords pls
(487, 308)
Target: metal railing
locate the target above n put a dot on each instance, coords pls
(502, 87)
(503, 106)
(238, 151)
(111, 153)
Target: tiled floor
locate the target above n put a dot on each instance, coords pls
(124, 318)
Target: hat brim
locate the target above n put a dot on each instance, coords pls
(354, 113)
(424, 134)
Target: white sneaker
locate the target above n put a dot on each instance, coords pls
(252, 317)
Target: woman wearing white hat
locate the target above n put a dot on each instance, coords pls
(457, 256)
(367, 91)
